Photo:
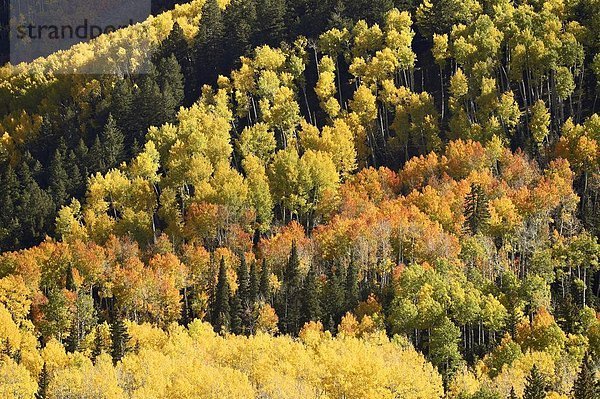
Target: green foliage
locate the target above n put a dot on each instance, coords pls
(119, 337)
(536, 386)
(221, 308)
(586, 384)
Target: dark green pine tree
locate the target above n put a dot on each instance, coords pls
(171, 82)
(243, 282)
(311, 306)
(270, 20)
(477, 213)
(81, 153)
(209, 45)
(339, 17)
(148, 104)
(75, 184)
(512, 394)
(113, 144)
(10, 227)
(98, 344)
(122, 109)
(290, 305)
(58, 178)
(265, 284)
(535, 385)
(351, 290)
(370, 10)
(43, 382)
(237, 313)
(96, 157)
(176, 44)
(119, 337)
(35, 210)
(239, 18)
(253, 288)
(333, 297)
(585, 386)
(72, 341)
(221, 310)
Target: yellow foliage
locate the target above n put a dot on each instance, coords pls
(15, 380)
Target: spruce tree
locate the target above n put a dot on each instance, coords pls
(72, 341)
(270, 18)
(174, 44)
(119, 338)
(237, 310)
(58, 178)
(253, 288)
(75, 183)
(209, 45)
(9, 197)
(96, 157)
(333, 296)
(240, 22)
(35, 210)
(148, 104)
(290, 306)
(585, 386)
(477, 213)
(311, 308)
(113, 149)
(171, 82)
(535, 385)
(122, 108)
(98, 344)
(43, 382)
(221, 310)
(243, 282)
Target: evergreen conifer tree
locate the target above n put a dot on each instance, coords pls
(290, 303)
(43, 382)
(237, 310)
(112, 144)
(96, 157)
(535, 385)
(171, 82)
(209, 45)
(253, 288)
(243, 282)
(98, 344)
(58, 178)
(311, 298)
(221, 309)
(119, 338)
(333, 296)
(585, 386)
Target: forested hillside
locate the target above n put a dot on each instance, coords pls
(307, 199)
